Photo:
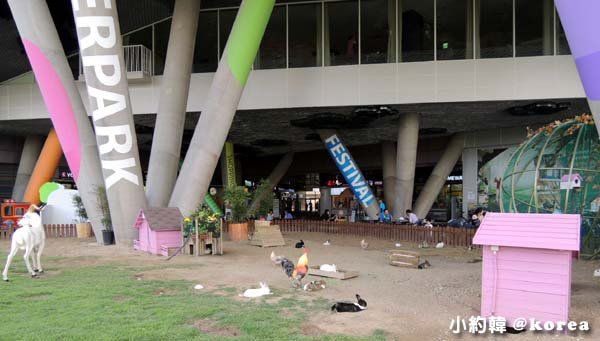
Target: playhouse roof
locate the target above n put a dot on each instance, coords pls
(160, 219)
(531, 230)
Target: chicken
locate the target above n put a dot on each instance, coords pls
(276, 259)
(301, 269)
(364, 244)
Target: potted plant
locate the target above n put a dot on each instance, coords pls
(108, 235)
(237, 198)
(84, 228)
(263, 196)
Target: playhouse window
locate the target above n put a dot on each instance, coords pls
(8, 211)
(20, 211)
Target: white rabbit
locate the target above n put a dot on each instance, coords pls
(263, 290)
(597, 273)
(328, 267)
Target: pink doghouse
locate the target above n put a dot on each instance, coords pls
(527, 265)
(159, 230)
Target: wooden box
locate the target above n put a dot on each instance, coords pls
(339, 274)
(403, 258)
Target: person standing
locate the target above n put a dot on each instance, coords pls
(381, 206)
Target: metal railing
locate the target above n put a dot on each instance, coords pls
(138, 61)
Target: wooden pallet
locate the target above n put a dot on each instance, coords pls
(266, 235)
(339, 274)
(404, 259)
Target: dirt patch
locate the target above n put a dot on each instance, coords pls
(407, 304)
(211, 327)
(309, 329)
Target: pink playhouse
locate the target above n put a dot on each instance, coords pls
(159, 230)
(527, 265)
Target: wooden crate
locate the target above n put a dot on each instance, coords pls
(168, 251)
(339, 274)
(404, 259)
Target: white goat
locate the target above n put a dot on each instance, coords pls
(31, 238)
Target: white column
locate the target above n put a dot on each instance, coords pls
(469, 169)
(406, 162)
(388, 155)
(438, 176)
(174, 89)
(31, 150)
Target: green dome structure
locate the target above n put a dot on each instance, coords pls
(557, 170)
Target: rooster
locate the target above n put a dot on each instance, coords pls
(298, 272)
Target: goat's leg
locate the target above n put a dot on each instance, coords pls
(28, 251)
(11, 255)
(33, 259)
(38, 255)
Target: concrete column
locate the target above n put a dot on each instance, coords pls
(388, 154)
(580, 22)
(221, 104)
(349, 169)
(101, 48)
(470, 170)
(170, 119)
(438, 177)
(31, 150)
(406, 162)
(278, 172)
(44, 169)
(63, 101)
(325, 200)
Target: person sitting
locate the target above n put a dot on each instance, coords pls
(385, 217)
(412, 218)
(477, 217)
(288, 215)
(327, 216)
(270, 216)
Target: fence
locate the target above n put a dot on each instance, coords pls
(52, 231)
(451, 236)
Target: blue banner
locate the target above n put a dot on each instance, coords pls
(350, 171)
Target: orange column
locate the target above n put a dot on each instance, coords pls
(45, 168)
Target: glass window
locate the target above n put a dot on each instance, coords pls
(378, 31)
(304, 25)
(533, 27)
(495, 28)
(454, 29)
(161, 40)
(415, 28)
(226, 19)
(341, 33)
(561, 39)
(206, 56)
(271, 54)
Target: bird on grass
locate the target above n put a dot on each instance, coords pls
(364, 245)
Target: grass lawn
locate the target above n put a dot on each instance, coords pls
(107, 302)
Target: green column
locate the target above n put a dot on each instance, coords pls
(221, 103)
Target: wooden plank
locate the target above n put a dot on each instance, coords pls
(339, 274)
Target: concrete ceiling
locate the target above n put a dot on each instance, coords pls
(269, 132)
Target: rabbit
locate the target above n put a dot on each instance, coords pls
(328, 267)
(314, 285)
(262, 291)
(346, 307)
(424, 265)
